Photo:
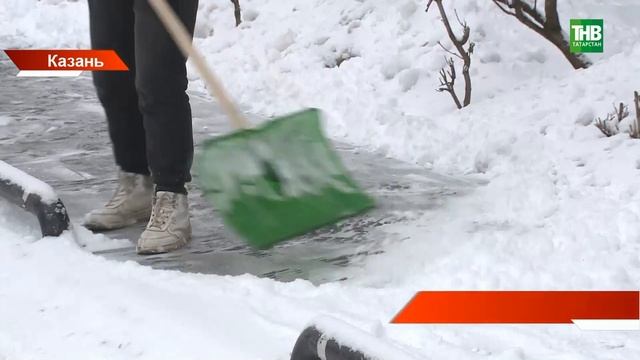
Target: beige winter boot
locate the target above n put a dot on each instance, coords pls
(169, 227)
(131, 203)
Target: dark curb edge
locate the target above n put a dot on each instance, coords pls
(53, 217)
(312, 344)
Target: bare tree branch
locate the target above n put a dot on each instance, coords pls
(237, 13)
(447, 78)
(634, 130)
(449, 51)
(552, 22)
(547, 25)
(610, 125)
(466, 29)
(504, 10)
(448, 81)
(607, 126)
(621, 112)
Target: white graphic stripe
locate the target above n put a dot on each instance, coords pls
(49, 73)
(626, 325)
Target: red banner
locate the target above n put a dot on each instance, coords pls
(67, 60)
(519, 307)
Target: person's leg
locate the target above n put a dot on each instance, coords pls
(161, 81)
(112, 27)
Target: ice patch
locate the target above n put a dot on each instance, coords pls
(5, 120)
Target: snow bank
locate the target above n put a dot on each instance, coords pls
(44, 24)
(59, 302)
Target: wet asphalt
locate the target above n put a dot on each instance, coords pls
(54, 129)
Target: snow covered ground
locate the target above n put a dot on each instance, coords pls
(561, 208)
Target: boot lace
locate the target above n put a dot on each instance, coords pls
(162, 209)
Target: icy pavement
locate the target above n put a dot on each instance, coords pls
(55, 130)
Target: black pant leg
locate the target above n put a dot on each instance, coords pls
(161, 81)
(112, 27)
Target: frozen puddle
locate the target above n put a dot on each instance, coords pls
(54, 129)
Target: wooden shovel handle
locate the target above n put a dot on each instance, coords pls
(180, 35)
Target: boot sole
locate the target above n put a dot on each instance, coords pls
(161, 249)
(139, 218)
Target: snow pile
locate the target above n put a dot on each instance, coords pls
(60, 302)
(29, 184)
(44, 24)
(560, 208)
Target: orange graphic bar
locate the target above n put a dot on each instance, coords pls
(518, 307)
(69, 60)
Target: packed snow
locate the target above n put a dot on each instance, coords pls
(560, 208)
(29, 184)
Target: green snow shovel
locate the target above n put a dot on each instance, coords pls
(275, 181)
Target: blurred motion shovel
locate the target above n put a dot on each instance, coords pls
(275, 181)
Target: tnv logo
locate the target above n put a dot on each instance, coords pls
(587, 32)
(587, 35)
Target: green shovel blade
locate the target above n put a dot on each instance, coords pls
(279, 180)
